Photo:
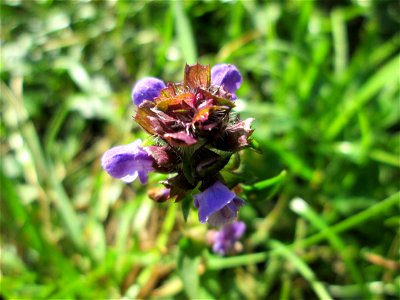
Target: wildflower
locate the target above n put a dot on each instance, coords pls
(195, 135)
(127, 162)
(226, 239)
(217, 205)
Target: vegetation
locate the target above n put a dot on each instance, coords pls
(321, 78)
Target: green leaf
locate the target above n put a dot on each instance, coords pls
(24, 225)
(302, 208)
(267, 182)
(378, 81)
(187, 203)
(188, 266)
(254, 145)
(184, 32)
(302, 268)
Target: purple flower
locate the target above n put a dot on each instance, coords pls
(226, 75)
(217, 205)
(127, 162)
(146, 89)
(224, 240)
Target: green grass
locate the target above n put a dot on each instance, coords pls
(322, 213)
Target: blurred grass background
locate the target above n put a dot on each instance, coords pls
(320, 77)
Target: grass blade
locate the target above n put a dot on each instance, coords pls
(365, 94)
(302, 267)
(300, 207)
(184, 33)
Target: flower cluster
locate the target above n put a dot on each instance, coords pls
(194, 135)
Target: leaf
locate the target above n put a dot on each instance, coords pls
(26, 230)
(180, 138)
(218, 100)
(267, 182)
(188, 171)
(381, 78)
(188, 265)
(302, 208)
(308, 274)
(208, 163)
(203, 114)
(142, 116)
(167, 92)
(184, 32)
(186, 205)
(165, 104)
(254, 145)
(179, 186)
(152, 120)
(197, 76)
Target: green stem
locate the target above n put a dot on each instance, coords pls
(266, 183)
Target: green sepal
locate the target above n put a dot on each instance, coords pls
(254, 145)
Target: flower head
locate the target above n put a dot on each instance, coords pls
(217, 205)
(225, 240)
(195, 135)
(146, 89)
(127, 162)
(195, 111)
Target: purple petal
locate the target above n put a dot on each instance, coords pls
(227, 214)
(234, 230)
(219, 248)
(127, 162)
(144, 166)
(226, 75)
(222, 217)
(225, 239)
(217, 205)
(146, 89)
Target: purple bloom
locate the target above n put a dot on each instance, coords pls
(217, 205)
(127, 162)
(226, 75)
(225, 239)
(146, 89)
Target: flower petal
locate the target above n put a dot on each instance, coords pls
(146, 89)
(222, 217)
(217, 205)
(119, 161)
(224, 240)
(235, 230)
(127, 162)
(144, 166)
(226, 75)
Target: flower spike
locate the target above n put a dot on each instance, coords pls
(195, 135)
